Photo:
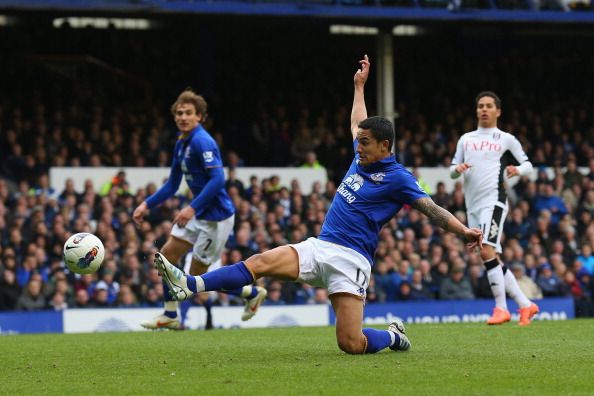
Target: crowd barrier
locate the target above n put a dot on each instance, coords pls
(128, 319)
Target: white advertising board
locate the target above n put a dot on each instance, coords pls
(140, 177)
(122, 319)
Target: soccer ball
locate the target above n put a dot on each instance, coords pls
(83, 253)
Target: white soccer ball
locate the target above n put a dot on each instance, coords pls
(83, 253)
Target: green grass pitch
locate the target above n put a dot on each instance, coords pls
(547, 358)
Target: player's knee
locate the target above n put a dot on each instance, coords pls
(487, 253)
(351, 345)
(259, 264)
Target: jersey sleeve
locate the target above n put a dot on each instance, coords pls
(515, 147)
(459, 154)
(170, 187)
(210, 155)
(408, 189)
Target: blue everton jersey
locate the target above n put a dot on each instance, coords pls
(195, 156)
(367, 198)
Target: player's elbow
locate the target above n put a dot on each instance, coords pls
(218, 178)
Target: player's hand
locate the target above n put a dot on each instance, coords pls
(463, 167)
(139, 213)
(473, 238)
(185, 215)
(362, 74)
(512, 171)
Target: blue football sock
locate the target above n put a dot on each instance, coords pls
(170, 314)
(377, 339)
(235, 292)
(166, 295)
(184, 307)
(191, 281)
(229, 277)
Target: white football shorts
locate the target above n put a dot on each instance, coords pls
(207, 237)
(335, 267)
(490, 220)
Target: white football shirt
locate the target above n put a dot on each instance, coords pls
(489, 151)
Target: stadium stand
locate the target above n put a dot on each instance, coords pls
(100, 98)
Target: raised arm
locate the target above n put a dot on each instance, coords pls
(359, 112)
(472, 236)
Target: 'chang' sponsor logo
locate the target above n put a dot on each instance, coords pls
(352, 182)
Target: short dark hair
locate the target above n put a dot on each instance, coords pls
(490, 94)
(380, 128)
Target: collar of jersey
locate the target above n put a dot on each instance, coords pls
(378, 165)
(192, 132)
(487, 130)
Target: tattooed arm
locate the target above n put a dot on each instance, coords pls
(472, 236)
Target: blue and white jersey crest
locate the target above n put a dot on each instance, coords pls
(378, 177)
(208, 156)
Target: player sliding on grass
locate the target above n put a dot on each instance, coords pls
(374, 189)
(205, 224)
(483, 156)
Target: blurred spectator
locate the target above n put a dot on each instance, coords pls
(526, 284)
(311, 161)
(31, 298)
(81, 299)
(9, 291)
(549, 283)
(586, 258)
(274, 294)
(456, 286)
(479, 281)
(118, 182)
(518, 227)
(441, 196)
(100, 296)
(321, 296)
(419, 288)
(126, 298)
(547, 200)
(58, 302)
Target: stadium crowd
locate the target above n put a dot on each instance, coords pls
(549, 233)
(548, 243)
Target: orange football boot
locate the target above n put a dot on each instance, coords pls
(527, 313)
(499, 316)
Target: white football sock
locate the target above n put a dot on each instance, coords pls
(497, 283)
(511, 286)
(246, 291)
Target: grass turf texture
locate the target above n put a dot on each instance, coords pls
(548, 358)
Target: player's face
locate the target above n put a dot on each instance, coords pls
(369, 149)
(186, 117)
(487, 112)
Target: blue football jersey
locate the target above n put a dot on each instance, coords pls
(366, 199)
(196, 158)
